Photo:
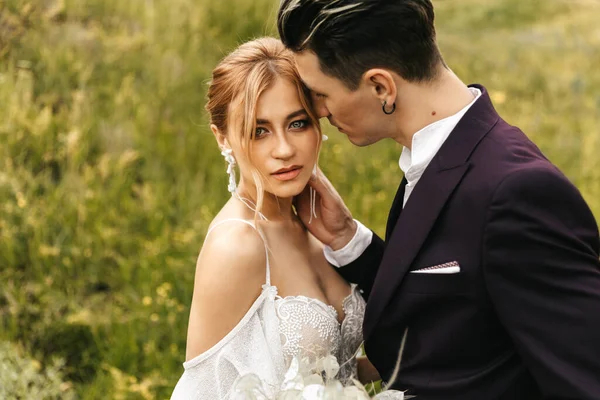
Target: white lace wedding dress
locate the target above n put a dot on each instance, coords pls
(272, 332)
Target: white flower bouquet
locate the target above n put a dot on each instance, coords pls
(307, 380)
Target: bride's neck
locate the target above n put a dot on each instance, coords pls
(273, 208)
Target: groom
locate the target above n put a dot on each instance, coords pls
(490, 260)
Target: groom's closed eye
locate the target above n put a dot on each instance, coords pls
(313, 91)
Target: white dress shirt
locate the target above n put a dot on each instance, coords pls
(413, 162)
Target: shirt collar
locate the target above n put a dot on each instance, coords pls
(427, 141)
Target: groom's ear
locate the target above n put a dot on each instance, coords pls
(382, 85)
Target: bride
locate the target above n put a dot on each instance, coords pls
(263, 291)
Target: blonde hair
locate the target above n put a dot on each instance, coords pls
(236, 85)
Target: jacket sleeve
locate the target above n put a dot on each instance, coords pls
(362, 271)
(542, 273)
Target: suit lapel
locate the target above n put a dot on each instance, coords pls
(406, 236)
(395, 210)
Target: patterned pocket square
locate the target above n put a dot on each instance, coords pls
(446, 268)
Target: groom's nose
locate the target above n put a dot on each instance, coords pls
(321, 110)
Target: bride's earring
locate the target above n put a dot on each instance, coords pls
(228, 155)
(313, 197)
(311, 191)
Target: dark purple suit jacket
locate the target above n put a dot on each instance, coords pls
(521, 321)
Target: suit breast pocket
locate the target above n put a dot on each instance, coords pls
(435, 283)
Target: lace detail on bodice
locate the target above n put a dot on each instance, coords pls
(310, 329)
(351, 333)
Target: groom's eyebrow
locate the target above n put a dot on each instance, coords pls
(311, 89)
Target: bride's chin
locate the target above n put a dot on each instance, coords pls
(288, 192)
(285, 195)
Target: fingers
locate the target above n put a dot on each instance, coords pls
(303, 204)
(323, 186)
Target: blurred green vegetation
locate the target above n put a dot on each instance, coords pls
(109, 175)
(23, 377)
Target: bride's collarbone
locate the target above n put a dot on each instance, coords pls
(293, 246)
(291, 231)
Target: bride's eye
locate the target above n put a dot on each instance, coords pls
(259, 133)
(300, 124)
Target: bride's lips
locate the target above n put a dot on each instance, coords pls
(287, 174)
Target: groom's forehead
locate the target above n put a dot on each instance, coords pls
(308, 67)
(306, 59)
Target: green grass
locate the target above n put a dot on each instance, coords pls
(109, 174)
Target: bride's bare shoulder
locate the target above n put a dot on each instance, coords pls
(231, 245)
(230, 272)
(233, 236)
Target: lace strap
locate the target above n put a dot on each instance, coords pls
(268, 277)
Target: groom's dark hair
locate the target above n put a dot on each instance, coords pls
(352, 36)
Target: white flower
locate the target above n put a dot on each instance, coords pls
(305, 380)
(248, 387)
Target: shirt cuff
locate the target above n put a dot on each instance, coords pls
(350, 252)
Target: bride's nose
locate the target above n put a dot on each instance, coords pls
(283, 149)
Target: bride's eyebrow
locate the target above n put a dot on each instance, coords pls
(302, 111)
(298, 113)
